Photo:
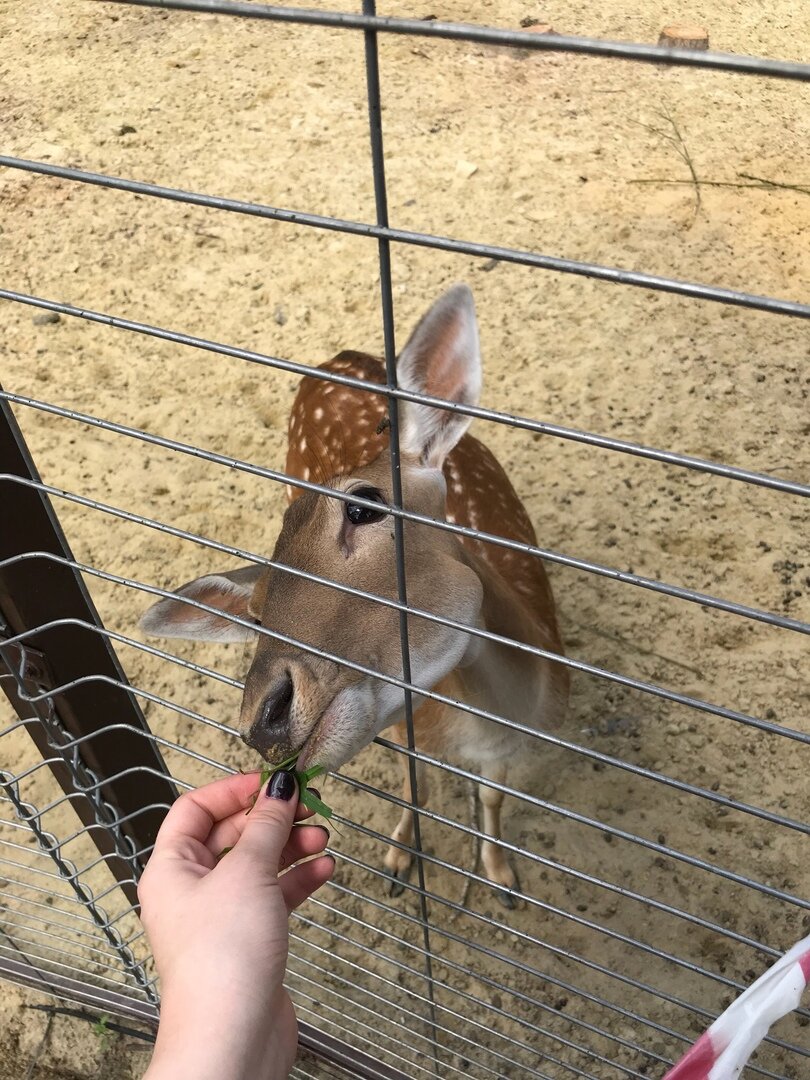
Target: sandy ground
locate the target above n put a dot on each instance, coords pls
(542, 152)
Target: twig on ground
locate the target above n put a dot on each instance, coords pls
(638, 648)
(676, 139)
(804, 189)
(760, 185)
(43, 1042)
(90, 1018)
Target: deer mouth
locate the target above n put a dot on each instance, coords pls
(312, 750)
(345, 727)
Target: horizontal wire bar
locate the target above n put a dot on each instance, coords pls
(529, 938)
(485, 35)
(500, 958)
(55, 963)
(475, 631)
(71, 897)
(409, 992)
(553, 864)
(67, 898)
(679, 785)
(429, 694)
(453, 990)
(51, 908)
(532, 901)
(75, 877)
(389, 1020)
(318, 1015)
(570, 814)
(464, 995)
(119, 820)
(478, 779)
(650, 584)
(65, 941)
(121, 639)
(582, 819)
(565, 869)
(565, 954)
(669, 457)
(397, 1054)
(477, 947)
(411, 1033)
(87, 990)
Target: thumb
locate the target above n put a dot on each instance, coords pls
(270, 821)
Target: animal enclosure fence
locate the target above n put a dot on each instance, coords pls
(603, 971)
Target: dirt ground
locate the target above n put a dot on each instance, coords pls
(545, 153)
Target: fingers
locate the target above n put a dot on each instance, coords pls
(305, 840)
(226, 833)
(303, 880)
(267, 827)
(194, 814)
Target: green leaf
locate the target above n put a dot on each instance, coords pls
(310, 774)
(310, 801)
(313, 803)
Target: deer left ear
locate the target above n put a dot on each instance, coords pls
(229, 592)
(441, 359)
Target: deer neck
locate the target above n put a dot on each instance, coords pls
(500, 678)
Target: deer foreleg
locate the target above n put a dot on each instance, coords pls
(398, 861)
(496, 865)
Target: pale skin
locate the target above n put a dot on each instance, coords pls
(218, 927)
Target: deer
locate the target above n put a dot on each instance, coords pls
(298, 702)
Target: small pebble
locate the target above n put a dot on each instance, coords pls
(280, 315)
(45, 318)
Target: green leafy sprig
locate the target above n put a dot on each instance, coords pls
(309, 800)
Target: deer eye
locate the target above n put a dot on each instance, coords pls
(364, 515)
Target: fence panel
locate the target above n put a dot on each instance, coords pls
(651, 889)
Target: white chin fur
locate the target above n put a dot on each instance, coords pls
(343, 730)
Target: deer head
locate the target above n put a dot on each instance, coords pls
(294, 699)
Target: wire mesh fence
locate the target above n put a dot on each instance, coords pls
(627, 934)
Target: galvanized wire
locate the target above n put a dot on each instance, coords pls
(485, 35)
(685, 461)
(28, 915)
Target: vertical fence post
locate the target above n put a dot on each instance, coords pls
(387, 303)
(49, 638)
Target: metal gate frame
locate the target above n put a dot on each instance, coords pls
(61, 662)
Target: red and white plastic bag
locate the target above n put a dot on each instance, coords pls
(721, 1052)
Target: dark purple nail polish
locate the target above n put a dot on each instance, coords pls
(282, 785)
(315, 792)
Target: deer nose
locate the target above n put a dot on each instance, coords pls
(272, 725)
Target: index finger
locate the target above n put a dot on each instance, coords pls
(196, 813)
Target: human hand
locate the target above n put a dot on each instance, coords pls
(219, 929)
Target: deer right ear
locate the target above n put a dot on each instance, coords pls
(441, 359)
(230, 592)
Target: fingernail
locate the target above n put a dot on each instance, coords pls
(315, 792)
(282, 786)
(323, 827)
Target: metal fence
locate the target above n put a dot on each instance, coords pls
(440, 981)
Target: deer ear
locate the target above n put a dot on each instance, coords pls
(230, 592)
(442, 359)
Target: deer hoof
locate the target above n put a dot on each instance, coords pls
(398, 879)
(506, 899)
(505, 891)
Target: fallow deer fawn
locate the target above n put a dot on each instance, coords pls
(297, 701)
